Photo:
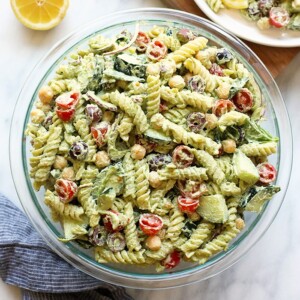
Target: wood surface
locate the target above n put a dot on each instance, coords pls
(276, 59)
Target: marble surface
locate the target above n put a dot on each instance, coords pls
(271, 269)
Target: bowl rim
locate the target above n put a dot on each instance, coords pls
(164, 280)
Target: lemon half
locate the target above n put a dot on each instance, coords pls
(40, 14)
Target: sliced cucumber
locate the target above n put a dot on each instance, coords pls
(157, 136)
(130, 65)
(263, 194)
(97, 100)
(244, 168)
(213, 208)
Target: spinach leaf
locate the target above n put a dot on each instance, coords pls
(255, 133)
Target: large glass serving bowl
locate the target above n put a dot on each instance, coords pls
(277, 122)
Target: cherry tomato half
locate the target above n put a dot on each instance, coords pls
(67, 100)
(243, 100)
(66, 115)
(150, 224)
(187, 205)
(267, 173)
(99, 133)
(279, 17)
(142, 41)
(156, 50)
(191, 189)
(182, 156)
(65, 189)
(107, 222)
(172, 260)
(216, 70)
(222, 107)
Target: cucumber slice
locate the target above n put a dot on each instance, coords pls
(157, 136)
(213, 208)
(244, 168)
(261, 197)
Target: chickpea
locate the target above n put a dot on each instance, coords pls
(153, 69)
(176, 82)
(68, 173)
(239, 223)
(37, 116)
(211, 121)
(154, 179)
(229, 146)
(153, 242)
(108, 116)
(187, 77)
(46, 94)
(223, 90)
(60, 162)
(102, 159)
(168, 66)
(138, 152)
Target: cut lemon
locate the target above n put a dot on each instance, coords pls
(40, 14)
(236, 4)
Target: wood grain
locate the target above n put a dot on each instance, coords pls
(276, 59)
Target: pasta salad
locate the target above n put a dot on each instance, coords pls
(149, 147)
(266, 13)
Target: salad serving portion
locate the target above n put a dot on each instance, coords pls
(150, 149)
(266, 13)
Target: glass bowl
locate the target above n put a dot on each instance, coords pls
(277, 122)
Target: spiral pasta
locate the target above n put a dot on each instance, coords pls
(63, 210)
(142, 184)
(256, 149)
(207, 161)
(180, 135)
(130, 230)
(197, 238)
(176, 224)
(132, 109)
(123, 257)
(153, 95)
(84, 196)
(189, 49)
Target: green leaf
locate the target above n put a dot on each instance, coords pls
(237, 85)
(263, 194)
(255, 133)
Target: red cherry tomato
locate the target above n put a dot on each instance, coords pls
(156, 50)
(172, 260)
(65, 189)
(67, 100)
(216, 70)
(191, 189)
(99, 133)
(267, 173)
(222, 107)
(243, 100)
(150, 224)
(66, 115)
(107, 222)
(182, 157)
(142, 41)
(187, 205)
(279, 17)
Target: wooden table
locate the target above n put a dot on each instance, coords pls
(276, 59)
